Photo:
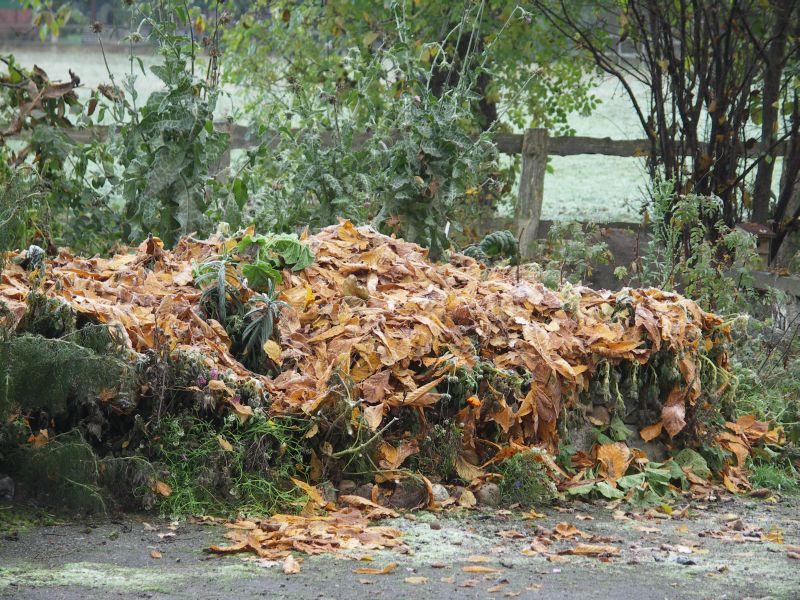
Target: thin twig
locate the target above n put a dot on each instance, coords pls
(360, 447)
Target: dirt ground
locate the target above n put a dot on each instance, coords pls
(662, 557)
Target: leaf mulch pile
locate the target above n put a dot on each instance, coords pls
(373, 309)
(372, 322)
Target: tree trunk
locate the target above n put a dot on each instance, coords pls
(773, 71)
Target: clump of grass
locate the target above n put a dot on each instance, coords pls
(525, 481)
(15, 519)
(214, 469)
(779, 476)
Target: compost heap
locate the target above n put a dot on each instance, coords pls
(406, 343)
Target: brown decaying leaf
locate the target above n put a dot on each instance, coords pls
(651, 432)
(479, 558)
(593, 550)
(159, 487)
(372, 571)
(291, 565)
(479, 569)
(224, 444)
(467, 499)
(309, 490)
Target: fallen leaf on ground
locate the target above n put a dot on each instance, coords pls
(291, 565)
(480, 569)
(159, 487)
(373, 571)
(467, 499)
(479, 558)
(567, 531)
(224, 444)
(592, 550)
(511, 534)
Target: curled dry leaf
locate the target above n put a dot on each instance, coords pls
(373, 571)
(480, 569)
(567, 531)
(377, 511)
(291, 565)
(159, 487)
(224, 444)
(273, 350)
(651, 432)
(309, 490)
(467, 499)
(479, 558)
(592, 550)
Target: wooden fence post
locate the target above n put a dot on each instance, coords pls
(531, 187)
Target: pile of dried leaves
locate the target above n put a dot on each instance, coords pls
(379, 340)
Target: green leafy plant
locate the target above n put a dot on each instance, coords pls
(266, 255)
(158, 170)
(495, 246)
(221, 467)
(525, 480)
(220, 282)
(420, 170)
(228, 282)
(260, 325)
(167, 149)
(439, 451)
(693, 252)
(533, 79)
(570, 253)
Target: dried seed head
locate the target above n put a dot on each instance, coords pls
(97, 27)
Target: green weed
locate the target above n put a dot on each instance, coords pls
(216, 469)
(780, 476)
(525, 481)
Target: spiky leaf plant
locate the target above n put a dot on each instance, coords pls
(219, 280)
(260, 324)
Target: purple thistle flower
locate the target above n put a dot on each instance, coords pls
(201, 381)
(214, 374)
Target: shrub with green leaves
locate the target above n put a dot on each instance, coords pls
(570, 252)
(693, 252)
(75, 370)
(158, 168)
(413, 164)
